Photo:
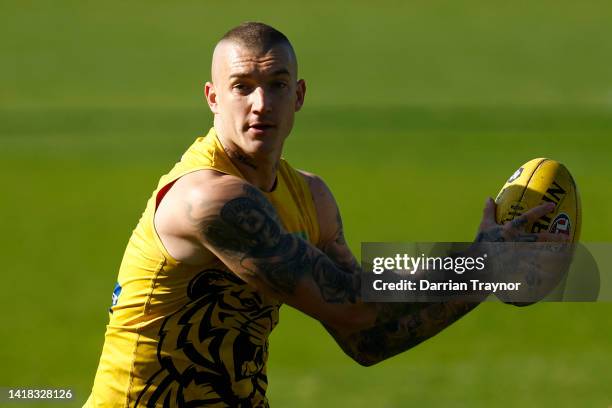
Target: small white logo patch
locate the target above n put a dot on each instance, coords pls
(516, 175)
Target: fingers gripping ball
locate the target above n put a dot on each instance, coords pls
(537, 182)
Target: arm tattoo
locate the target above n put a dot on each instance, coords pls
(494, 234)
(336, 286)
(248, 227)
(340, 234)
(337, 250)
(387, 339)
(499, 234)
(398, 326)
(519, 222)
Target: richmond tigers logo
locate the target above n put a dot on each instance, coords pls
(213, 350)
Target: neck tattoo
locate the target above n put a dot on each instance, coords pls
(241, 157)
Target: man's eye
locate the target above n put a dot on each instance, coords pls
(240, 87)
(280, 84)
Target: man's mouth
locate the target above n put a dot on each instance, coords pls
(261, 126)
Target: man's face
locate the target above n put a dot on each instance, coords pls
(254, 96)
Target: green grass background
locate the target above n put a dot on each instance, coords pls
(415, 113)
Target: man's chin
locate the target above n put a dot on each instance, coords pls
(256, 144)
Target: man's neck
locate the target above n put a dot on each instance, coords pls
(261, 172)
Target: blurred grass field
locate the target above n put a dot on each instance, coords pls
(415, 113)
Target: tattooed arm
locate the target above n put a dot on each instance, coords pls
(225, 216)
(401, 326)
(398, 326)
(234, 221)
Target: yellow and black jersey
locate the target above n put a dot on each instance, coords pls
(180, 336)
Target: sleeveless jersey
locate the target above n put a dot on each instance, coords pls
(184, 337)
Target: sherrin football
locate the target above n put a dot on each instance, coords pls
(534, 183)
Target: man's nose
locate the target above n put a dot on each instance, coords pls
(260, 101)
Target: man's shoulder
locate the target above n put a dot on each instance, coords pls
(310, 177)
(318, 188)
(207, 183)
(325, 203)
(195, 196)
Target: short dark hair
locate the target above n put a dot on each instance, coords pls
(257, 35)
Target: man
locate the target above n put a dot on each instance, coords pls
(233, 232)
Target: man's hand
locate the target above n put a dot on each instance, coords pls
(538, 261)
(514, 231)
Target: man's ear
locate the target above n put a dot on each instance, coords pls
(211, 96)
(301, 93)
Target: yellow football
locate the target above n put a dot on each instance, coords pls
(536, 182)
